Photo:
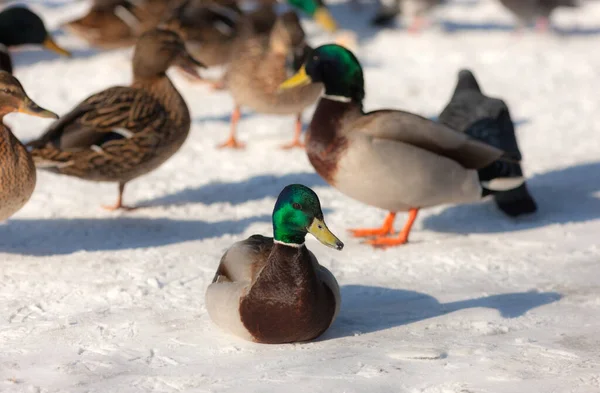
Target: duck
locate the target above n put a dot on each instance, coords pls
(415, 9)
(18, 174)
(123, 132)
(213, 29)
(21, 26)
(390, 159)
(113, 24)
(254, 75)
(272, 290)
(469, 106)
(538, 11)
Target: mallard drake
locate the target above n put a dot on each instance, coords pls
(124, 132)
(273, 290)
(537, 11)
(415, 9)
(390, 159)
(118, 23)
(254, 76)
(21, 26)
(468, 107)
(212, 28)
(17, 174)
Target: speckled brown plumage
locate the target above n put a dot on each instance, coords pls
(123, 132)
(17, 171)
(118, 23)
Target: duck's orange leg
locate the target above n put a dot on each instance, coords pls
(417, 24)
(232, 142)
(119, 205)
(296, 142)
(402, 236)
(386, 229)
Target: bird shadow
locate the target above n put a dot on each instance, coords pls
(367, 309)
(563, 196)
(66, 236)
(235, 193)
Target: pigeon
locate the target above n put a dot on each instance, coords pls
(488, 119)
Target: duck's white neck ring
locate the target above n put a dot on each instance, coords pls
(294, 245)
(337, 98)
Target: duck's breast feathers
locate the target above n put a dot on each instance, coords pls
(244, 260)
(113, 114)
(416, 131)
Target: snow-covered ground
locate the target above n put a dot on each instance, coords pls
(92, 301)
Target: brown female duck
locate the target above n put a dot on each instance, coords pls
(17, 171)
(118, 23)
(254, 76)
(122, 133)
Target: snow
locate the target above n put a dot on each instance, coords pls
(93, 301)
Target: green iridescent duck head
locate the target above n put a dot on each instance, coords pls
(298, 212)
(336, 68)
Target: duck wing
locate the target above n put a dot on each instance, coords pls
(425, 134)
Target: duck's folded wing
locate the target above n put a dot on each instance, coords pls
(113, 114)
(423, 133)
(244, 260)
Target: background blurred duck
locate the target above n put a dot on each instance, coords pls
(17, 171)
(415, 10)
(122, 133)
(118, 23)
(21, 26)
(257, 70)
(536, 11)
(212, 28)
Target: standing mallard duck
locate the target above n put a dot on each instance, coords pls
(273, 290)
(390, 159)
(124, 132)
(118, 23)
(21, 26)
(254, 76)
(17, 171)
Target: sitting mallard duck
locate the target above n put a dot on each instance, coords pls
(124, 132)
(118, 23)
(17, 171)
(273, 290)
(390, 159)
(254, 76)
(212, 28)
(21, 26)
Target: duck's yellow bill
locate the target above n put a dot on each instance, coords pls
(31, 108)
(300, 79)
(53, 46)
(324, 18)
(319, 230)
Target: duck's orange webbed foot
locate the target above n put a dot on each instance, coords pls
(232, 143)
(402, 237)
(293, 144)
(386, 229)
(119, 205)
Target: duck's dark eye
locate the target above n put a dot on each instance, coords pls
(296, 206)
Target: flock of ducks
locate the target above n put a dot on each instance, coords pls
(269, 290)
